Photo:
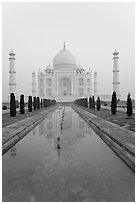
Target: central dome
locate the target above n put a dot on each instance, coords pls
(64, 57)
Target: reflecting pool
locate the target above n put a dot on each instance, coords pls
(78, 166)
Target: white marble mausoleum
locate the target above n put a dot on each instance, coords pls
(65, 80)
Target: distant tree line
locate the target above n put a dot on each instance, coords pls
(82, 102)
(34, 103)
(91, 103)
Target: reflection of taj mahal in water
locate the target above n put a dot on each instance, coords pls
(73, 126)
(64, 81)
(74, 130)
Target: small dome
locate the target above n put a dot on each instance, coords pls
(12, 52)
(79, 66)
(64, 57)
(115, 52)
(49, 67)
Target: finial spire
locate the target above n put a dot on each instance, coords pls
(64, 46)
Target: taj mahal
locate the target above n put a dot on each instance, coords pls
(64, 80)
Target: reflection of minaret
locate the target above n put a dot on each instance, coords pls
(13, 151)
(116, 74)
(41, 128)
(12, 73)
(33, 84)
(34, 131)
(95, 83)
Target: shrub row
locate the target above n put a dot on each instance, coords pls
(32, 105)
(84, 102)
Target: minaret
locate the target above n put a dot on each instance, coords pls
(64, 46)
(90, 73)
(33, 84)
(12, 73)
(116, 74)
(95, 84)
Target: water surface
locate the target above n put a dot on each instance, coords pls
(83, 169)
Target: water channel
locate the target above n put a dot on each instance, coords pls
(78, 167)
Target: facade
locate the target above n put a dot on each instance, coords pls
(64, 81)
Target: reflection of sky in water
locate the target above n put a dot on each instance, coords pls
(83, 169)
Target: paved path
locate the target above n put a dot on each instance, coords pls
(121, 140)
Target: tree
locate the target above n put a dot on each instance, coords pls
(12, 105)
(90, 102)
(98, 103)
(22, 110)
(38, 103)
(45, 102)
(34, 103)
(86, 102)
(114, 103)
(93, 102)
(30, 104)
(129, 106)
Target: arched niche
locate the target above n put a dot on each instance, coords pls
(49, 82)
(88, 82)
(81, 91)
(49, 92)
(80, 82)
(65, 87)
(88, 91)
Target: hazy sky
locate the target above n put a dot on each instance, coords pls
(92, 31)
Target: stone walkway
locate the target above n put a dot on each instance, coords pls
(121, 140)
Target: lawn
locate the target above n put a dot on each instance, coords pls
(7, 120)
(120, 118)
